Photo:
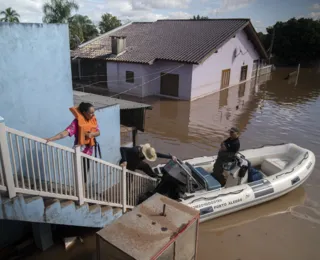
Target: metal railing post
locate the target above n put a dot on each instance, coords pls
(5, 160)
(78, 175)
(124, 189)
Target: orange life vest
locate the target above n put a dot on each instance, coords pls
(84, 126)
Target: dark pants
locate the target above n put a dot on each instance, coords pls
(146, 168)
(142, 166)
(223, 157)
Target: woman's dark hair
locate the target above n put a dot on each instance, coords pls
(84, 107)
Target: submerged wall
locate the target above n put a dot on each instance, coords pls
(237, 52)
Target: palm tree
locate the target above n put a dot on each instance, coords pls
(81, 29)
(58, 11)
(108, 22)
(10, 16)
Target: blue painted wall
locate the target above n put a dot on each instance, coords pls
(35, 78)
(109, 123)
(36, 86)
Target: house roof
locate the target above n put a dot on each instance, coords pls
(186, 41)
(102, 101)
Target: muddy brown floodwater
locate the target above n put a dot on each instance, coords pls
(274, 112)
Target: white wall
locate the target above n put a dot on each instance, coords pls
(206, 77)
(149, 77)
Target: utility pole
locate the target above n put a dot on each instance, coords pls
(272, 42)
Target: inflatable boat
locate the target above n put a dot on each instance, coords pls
(282, 169)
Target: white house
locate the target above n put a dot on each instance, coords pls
(184, 59)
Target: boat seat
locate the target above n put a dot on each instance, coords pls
(272, 166)
(210, 181)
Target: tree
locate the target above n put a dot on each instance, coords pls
(108, 22)
(81, 29)
(58, 11)
(296, 41)
(10, 16)
(198, 17)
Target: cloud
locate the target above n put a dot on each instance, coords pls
(314, 15)
(229, 6)
(159, 4)
(29, 10)
(179, 15)
(316, 6)
(133, 10)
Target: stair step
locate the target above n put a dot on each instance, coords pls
(31, 199)
(49, 202)
(94, 208)
(117, 213)
(57, 211)
(106, 209)
(67, 203)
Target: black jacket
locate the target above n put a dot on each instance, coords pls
(232, 145)
(133, 156)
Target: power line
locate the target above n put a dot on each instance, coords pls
(124, 79)
(147, 81)
(92, 75)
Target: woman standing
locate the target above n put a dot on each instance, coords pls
(84, 128)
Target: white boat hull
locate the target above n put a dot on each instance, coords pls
(290, 167)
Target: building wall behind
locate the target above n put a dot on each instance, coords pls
(153, 80)
(116, 72)
(206, 77)
(147, 78)
(35, 78)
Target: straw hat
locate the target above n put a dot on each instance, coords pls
(149, 152)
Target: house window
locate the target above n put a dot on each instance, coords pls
(244, 70)
(130, 76)
(225, 78)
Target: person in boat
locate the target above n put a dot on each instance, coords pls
(84, 128)
(228, 149)
(133, 158)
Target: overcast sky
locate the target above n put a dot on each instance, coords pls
(262, 13)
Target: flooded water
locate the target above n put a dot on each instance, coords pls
(274, 112)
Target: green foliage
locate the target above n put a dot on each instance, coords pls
(198, 17)
(108, 22)
(58, 11)
(10, 16)
(296, 41)
(81, 29)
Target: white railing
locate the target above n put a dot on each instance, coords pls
(29, 165)
(39, 168)
(102, 181)
(2, 182)
(112, 185)
(137, 184)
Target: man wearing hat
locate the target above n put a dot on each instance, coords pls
(134, 157)
(228, 149)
